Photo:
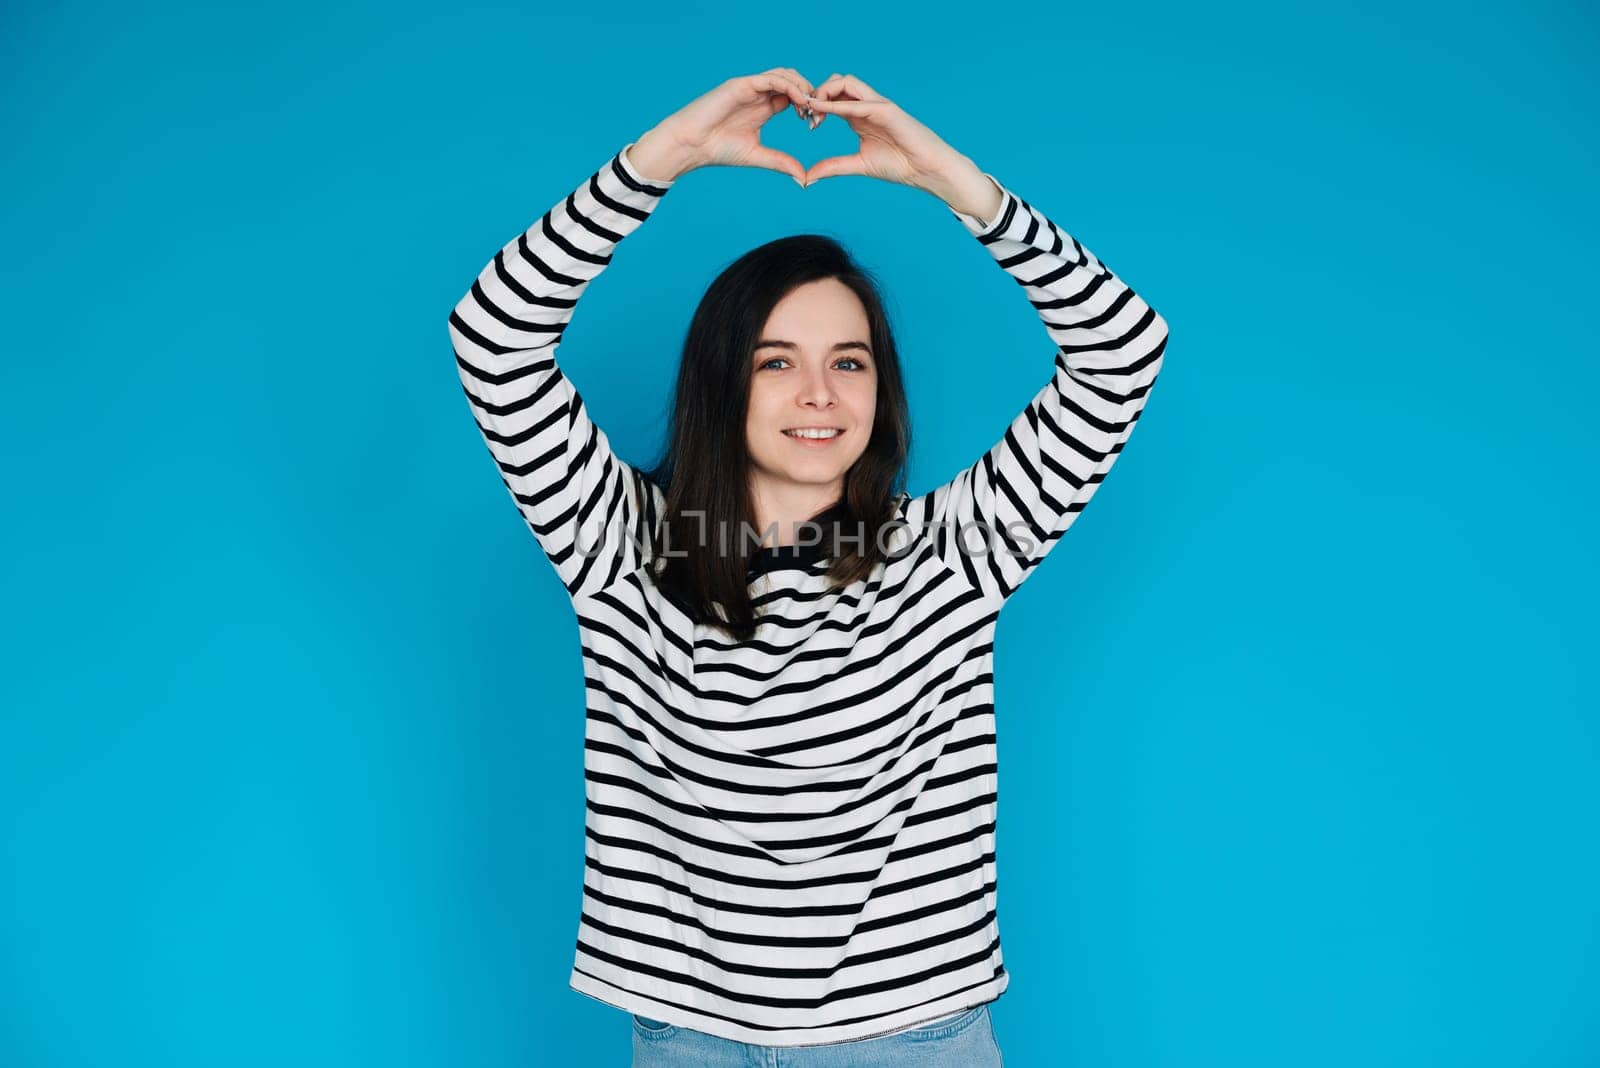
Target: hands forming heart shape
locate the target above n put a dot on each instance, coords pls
(723, 129)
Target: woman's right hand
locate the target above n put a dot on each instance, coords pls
(723, 128)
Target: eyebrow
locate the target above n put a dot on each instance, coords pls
(862, 345)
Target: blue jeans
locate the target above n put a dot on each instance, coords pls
(964, 1041)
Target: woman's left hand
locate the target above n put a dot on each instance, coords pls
(897, 148)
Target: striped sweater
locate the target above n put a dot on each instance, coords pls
(790, 841)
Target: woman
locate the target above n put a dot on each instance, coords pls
(790, 749)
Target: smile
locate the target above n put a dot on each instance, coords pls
(811, 434)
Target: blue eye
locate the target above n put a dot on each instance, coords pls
(779, 359)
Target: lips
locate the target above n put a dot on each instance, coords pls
(818, 442)
(815, 443)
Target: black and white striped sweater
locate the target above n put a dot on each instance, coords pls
(790, 841)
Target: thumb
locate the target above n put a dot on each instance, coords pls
(833, 167)
(773, 160)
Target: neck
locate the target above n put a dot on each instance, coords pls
(782, 508)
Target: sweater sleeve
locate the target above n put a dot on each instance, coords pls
(592, 514)
(997, 519)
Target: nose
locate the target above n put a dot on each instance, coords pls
(815, 389)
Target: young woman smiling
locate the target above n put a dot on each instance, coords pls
(790, 749)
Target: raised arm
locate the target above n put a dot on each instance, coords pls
(1014, 503)
(998, 518)
(595, 516)
(590, 511)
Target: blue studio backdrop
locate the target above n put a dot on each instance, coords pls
(1297, 725)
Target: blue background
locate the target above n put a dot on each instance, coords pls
(1298, 724)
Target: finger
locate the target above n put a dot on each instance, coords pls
(804, 82)
(833, 167)
(804, 110)
(851, 109)
(834, 93)
(846, 86)
(791, 73)
(834, 90)
(860, 89)
(825, 83)
(777, 82)
(783, 82)
(773, 160)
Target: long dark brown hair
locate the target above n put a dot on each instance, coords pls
(704, 472)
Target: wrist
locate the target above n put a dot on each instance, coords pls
(658, 157)
(966, 189)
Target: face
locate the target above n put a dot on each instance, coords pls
(812, 367)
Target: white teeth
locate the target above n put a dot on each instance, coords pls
(813, 433)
